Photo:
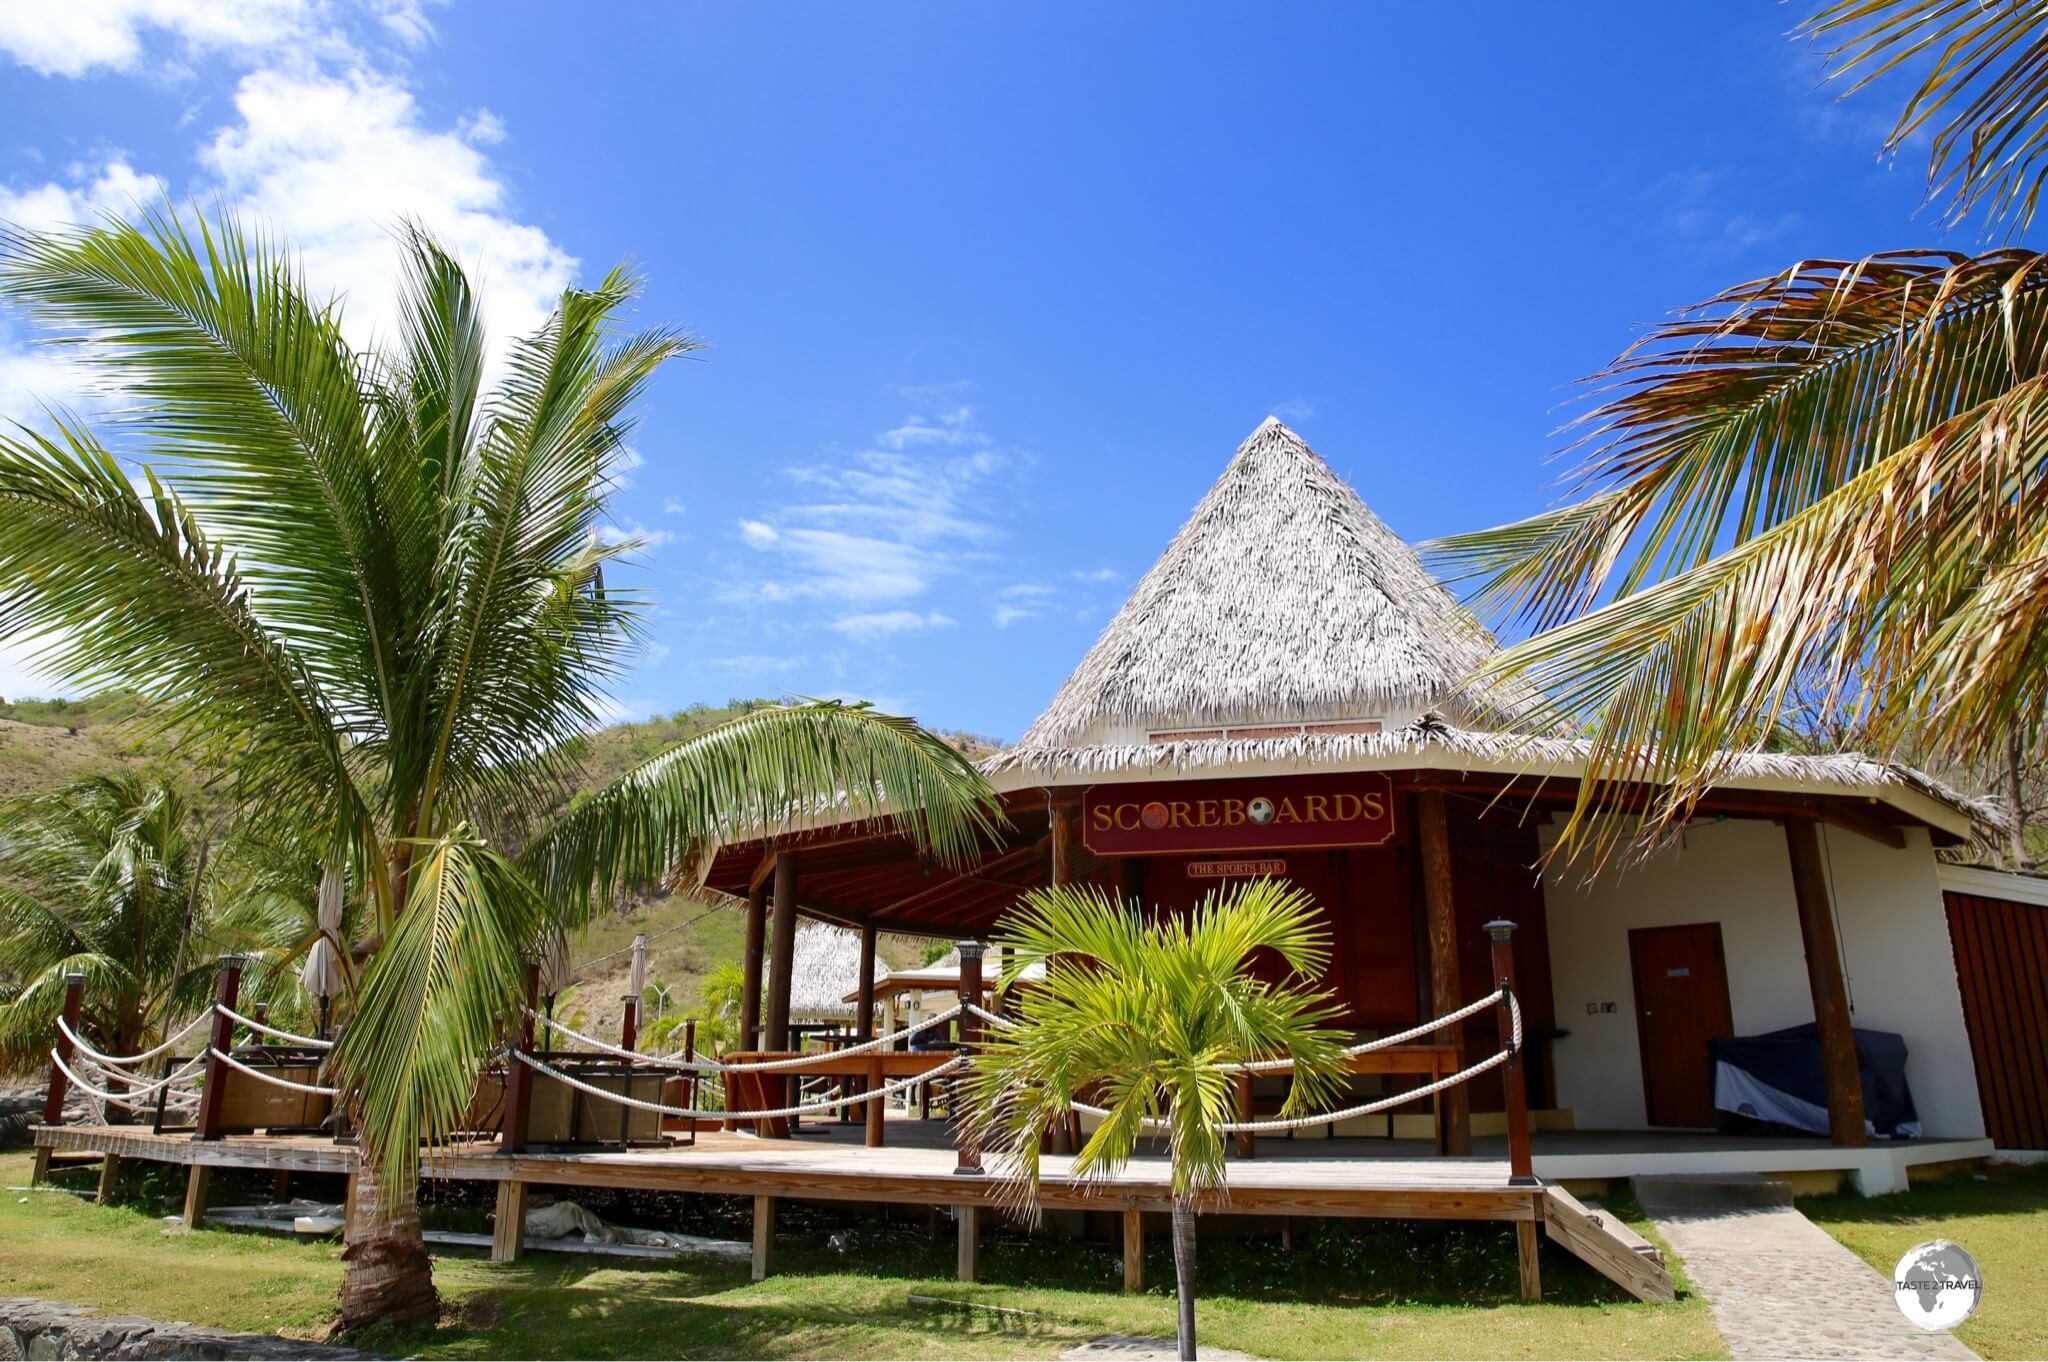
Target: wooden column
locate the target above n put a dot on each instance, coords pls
(967, 1262)
(1432, 828)
(875, 1114)
(750, 965)
(508, 1230)
(1244, 1144)
(110, 1179)
(629, 1024)
(1514, 1075)
(1065, 1135)
(196, 1183)
(1134, 1249)
(220, 1036)
(764, 1236)
(969, 1030)
(1529, 1259)
(781, 947)
(864, 1031)
(519, 1078)
(1824, 977)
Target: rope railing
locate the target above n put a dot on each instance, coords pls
(707, 1065)
(128, 1061)
(310, 1042)
(271, 1079)
(692, 1113)
(132, 1098)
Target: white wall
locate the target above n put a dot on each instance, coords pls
(1895, 952)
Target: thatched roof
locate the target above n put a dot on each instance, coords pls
(824, 968)
(940, 976)
(1282, 600)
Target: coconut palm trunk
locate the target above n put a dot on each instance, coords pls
(386, 1277)
(1184, 1273)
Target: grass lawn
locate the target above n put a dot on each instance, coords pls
(1358, 1289)
(2002, 1219)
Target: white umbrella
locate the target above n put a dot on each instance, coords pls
(321, 974)
(636, 979)
(556, 973)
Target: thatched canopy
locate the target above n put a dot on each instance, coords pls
(825, 971)
(1282, 600)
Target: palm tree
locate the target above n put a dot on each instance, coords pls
(1826, 482)
(1145, 1016)
(97, 878)
(372, 584)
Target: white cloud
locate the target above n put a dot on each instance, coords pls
(1294, 409)
(86, 196)
(754, 662)
(74, 37)
(952, 427)
(1101, 574)
(1007, 615)
(648, 540)
(884, 623)
(671, 506)
(758, 533)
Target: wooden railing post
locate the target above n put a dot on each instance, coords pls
(60, 1086)
(690, 1082)
(220, 1037)
(969, 1031)
(1513, 1076)
(519, 1078)
(629, 1024)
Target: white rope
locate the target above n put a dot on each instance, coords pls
(802, 1109)
(308, 1041)
(272, 1079)
(64, 1029)
(669, 1061)
(127, 1099)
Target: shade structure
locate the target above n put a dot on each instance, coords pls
(636, 977)
(322, 973)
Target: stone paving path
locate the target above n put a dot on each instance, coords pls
(1781, 1287)
(1135, 1346)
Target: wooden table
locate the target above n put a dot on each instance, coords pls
(763, 1090)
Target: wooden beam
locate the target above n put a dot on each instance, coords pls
(781, 950)
(1453, 1105)
(764, 1237)
(1824, 978)
(1134, 1250)
(750, 963)
(967, 1262)
(508, 1230)
(1528, 1250)
(761, 872)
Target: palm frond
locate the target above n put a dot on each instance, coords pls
(753, 774)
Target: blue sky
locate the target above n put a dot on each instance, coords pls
(991, 292)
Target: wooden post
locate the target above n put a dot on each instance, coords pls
(690, 1081)
(764, 1236)
(519, 1078)
(875, 1114)
(629, 1024)
(781, 949)
(508, 1230)
(220, 1038)
(1453, 1107)
(60, 1086)
(196, 1183)
(969, 1030)
(1824, 977)
(110, 1179)
(863, 1032)
(750, 966)
(1134, 1249)
(1514, 1078)
(968, 1262)
(1243, 1140)
(1062, 813)
(1529, 1259)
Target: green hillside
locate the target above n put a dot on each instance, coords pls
(44, 743)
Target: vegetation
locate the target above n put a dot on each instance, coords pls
(1143, 1017)
(1826, 479)
(1365, 1289)
(370, 589)
(2000, 1218)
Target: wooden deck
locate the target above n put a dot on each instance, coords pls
(830, 1163)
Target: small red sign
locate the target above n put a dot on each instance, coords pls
(1236, 870)
(1351, 809)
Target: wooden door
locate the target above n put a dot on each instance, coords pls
(2001, 950)
(1681, 984)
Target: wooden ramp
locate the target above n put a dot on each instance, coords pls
(1624, 1257)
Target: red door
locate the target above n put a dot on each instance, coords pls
(1681, 984)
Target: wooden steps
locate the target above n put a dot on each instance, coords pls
(1619, 1254)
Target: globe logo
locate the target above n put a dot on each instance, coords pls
(1260, 810)
(1936, 1284)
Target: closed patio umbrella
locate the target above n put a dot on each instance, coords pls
(321, 974)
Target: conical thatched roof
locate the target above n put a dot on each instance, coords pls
(1282, 600)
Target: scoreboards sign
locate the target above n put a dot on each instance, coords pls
(1353, 809)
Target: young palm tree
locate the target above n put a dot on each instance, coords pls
(1830, 480)
(1143, 1017)
(96, 878)
(374, 585)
